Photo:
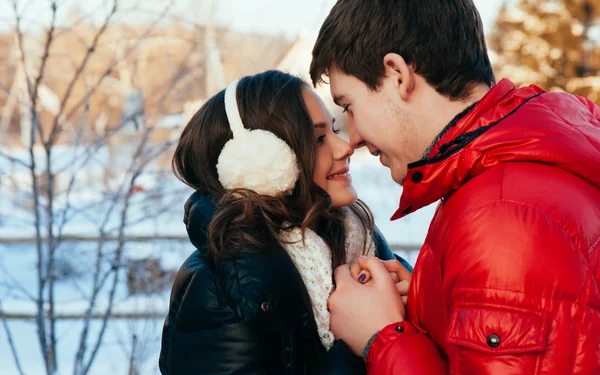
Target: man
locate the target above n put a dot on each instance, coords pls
(507, 281)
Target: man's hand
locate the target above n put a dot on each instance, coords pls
(359, 311)
(401, 276)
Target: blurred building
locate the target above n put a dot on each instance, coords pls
(150, 78)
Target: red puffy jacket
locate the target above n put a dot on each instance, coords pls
(508, 279)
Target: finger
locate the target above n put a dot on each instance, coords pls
(364, 277)
(375, 267)
(403, 287)
(355, 270)
(333, 326)
(359, 274)
(342, 274)
(397, 267)
(331, 306)
(404, 300)
(395, 277)
(331, 301)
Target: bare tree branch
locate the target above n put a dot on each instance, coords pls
(14, 160)
(112, 66)
(11, 343)
(55, 129)
(19, 35)
(121, 244)
(97, 285)
(51, 356)
(132, 358)
(33, 95)
(86, 17)
(177, 76)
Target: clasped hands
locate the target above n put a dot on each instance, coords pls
(369, 295)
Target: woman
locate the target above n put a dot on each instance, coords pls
(274, 213)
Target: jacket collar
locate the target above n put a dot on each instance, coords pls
(508, 124)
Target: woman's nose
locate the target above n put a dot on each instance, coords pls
(343, 149)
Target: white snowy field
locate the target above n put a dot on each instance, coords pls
(18, 262)
(18, 280)
(113, 357)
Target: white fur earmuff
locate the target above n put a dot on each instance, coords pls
(255, 159)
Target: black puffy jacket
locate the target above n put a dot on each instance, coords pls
(247, 315)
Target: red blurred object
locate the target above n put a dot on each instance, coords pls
(137, 189)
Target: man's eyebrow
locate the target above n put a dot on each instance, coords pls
(338, 98)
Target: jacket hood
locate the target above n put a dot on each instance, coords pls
(199, 211)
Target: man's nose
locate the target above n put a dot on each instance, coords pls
(355, 140)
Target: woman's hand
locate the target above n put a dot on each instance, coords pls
(358, 311)
(397, 272)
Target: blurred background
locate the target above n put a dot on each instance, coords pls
(93, 97)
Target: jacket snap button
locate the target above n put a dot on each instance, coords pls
(417, 177)
(400, 329)
(493, 341)
(288, 349)
(265, 307)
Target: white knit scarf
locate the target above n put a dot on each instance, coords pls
(313, 260)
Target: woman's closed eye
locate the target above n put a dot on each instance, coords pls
(321, 138)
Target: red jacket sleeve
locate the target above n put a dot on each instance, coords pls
(402, 349)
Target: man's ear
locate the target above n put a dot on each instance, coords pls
(403, 74)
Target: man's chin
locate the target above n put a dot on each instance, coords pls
(398, 176)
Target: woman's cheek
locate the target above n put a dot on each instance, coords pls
(322, 167)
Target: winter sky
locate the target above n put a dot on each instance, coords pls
(288, 17)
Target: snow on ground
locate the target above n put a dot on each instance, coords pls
(17, 268)
(113, 357)
(18, 277)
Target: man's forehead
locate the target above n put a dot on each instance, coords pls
(335, 74)
(336, 86)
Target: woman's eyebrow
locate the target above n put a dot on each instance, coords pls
(324, 124)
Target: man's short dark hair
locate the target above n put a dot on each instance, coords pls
(442, 39)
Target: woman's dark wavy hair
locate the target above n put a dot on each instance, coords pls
(270, 101)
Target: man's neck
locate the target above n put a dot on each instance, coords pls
(448, 111)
